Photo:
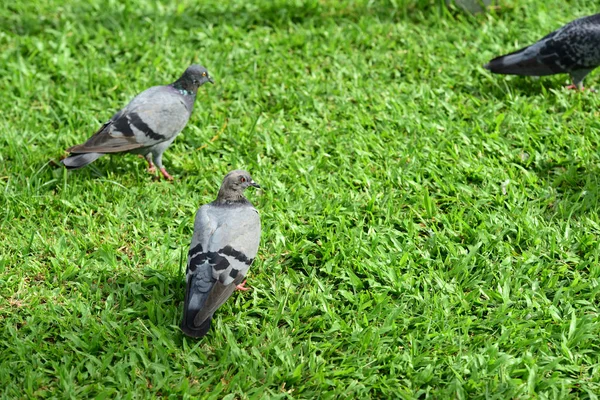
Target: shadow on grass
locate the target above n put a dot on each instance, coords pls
(576, 187)
(276, 14)
(152, 295)
(95, 310)
(502, 87)
(120, 164)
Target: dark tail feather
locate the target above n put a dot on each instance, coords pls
(518, 63)
(187, 323)
(192, 305)
(80, 160)
(190, 330)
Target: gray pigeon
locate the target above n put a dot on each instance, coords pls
(225, 242)
(572, 49)
(147, 125)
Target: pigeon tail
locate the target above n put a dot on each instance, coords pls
(80, 160)
(190, 330)
(187, 326)
(519, 63)
(192, 305)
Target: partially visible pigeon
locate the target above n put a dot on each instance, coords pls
(572, 49)
(225, 242)
(147, 125)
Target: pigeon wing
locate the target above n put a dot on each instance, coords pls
(573, 47)
(156, 115)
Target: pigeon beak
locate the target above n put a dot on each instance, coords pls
(256, 185)
(210, 79)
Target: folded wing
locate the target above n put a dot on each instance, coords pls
(156, 115)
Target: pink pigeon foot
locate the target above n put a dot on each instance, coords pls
(242, 287)
(151, 169)
(164, 173)
(574, 87)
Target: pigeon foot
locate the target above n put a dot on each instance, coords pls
(164, 173)
(151, 167)
(574, 87)
(242, 287)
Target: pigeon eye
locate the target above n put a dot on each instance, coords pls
(204, 74)
(242, 179)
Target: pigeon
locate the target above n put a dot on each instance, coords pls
(147, 125)
(224, 244)
(572, 49)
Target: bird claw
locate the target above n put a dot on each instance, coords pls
(576, 88)
(242, 287)
(151, 168)
(164, 173)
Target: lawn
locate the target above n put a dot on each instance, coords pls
(430, 230)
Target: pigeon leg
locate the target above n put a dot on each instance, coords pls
(158, 160)
(164, 173)
(242, 287)
(577, 79)
(151, 167)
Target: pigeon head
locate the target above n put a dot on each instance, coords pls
(233, 186)
(193, 77)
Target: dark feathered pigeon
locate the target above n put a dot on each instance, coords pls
(147, 125)
(572, 49)
(225, 242)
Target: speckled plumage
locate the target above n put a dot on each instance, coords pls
(224, 244)
(147, 125)
(572, 49)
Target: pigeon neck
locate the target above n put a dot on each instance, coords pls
(184, 87)
(231, 197)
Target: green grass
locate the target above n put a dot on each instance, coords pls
(429, 230)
